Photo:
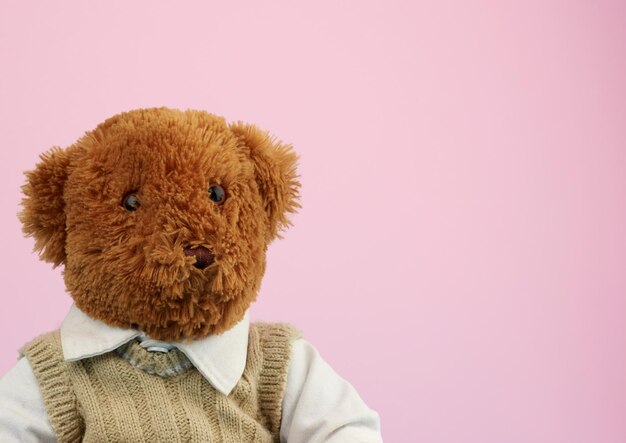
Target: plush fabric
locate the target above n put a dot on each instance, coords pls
(161, 220)
(130, 211)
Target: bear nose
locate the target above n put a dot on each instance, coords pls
(204, 257)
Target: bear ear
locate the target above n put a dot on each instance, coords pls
(275, 170)
(43, 213)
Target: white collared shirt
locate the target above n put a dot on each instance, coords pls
(318, 406)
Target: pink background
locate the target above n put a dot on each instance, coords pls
(460, 252)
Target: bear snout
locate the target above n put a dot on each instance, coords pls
(204, 257)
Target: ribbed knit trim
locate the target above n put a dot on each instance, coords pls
(119, 402)
(163, 364)
(46, 359)
(275, 340)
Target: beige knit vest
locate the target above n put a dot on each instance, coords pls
(134, 395)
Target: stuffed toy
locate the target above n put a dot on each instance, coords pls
(161, 220)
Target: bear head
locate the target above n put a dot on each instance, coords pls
(161, 218)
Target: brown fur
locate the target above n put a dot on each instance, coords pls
(127, 268)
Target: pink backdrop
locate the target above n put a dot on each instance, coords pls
(460, 252)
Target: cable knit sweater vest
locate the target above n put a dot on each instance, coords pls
(134, 395)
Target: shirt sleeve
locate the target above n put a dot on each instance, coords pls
(23, 416)
(320, 406)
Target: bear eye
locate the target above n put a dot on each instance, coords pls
(131, 202)
(217, 194)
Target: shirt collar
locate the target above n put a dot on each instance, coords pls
(221, 359)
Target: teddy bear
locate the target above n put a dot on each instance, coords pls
(161, 220)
